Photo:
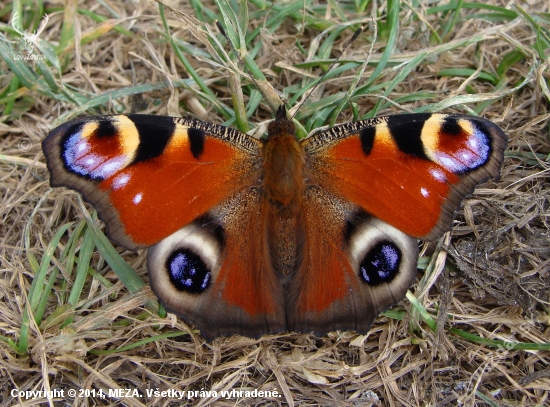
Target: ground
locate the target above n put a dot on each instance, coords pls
(474, 328)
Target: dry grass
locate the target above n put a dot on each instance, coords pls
(478, 331)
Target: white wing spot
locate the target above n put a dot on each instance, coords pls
(110, 167)
(438, 175)
(467, 156)
(137, 199)
(120, 181)
(425, 193)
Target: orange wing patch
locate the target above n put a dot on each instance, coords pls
(390, 184)
(156, 197)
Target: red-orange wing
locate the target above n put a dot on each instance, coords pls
(409, 170)
(355, 266)
(148, 176)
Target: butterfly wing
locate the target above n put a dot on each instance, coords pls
(375, 186)
(355, 267)
(410, 170)
(217, 273)
(150, 175)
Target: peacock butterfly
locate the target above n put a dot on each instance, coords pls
(251, 236)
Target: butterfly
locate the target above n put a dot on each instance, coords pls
(255, 236)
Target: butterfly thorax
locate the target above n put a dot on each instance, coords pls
(283, 160)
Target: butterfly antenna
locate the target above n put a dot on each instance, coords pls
(320, 80)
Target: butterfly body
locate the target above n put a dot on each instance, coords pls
(283, 160)
(259, 236)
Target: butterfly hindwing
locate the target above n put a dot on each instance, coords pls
(409, 170)
(216, 272)
(150, 175)
(375, 263)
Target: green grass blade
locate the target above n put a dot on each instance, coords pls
(127, 275)
(84, 258)
(37, 286)
(455, 14)
(403, 72)
(196, 79)
(67, 28)
(36, 289)
(17, 67)
(419, 308)
(466, 73)
(500, 344)
(137, 344)
(393, 24)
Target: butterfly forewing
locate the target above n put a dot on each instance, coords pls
(148, 176)
(409, 170)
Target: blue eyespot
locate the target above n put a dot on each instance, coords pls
(188, 272)
(381, 263)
